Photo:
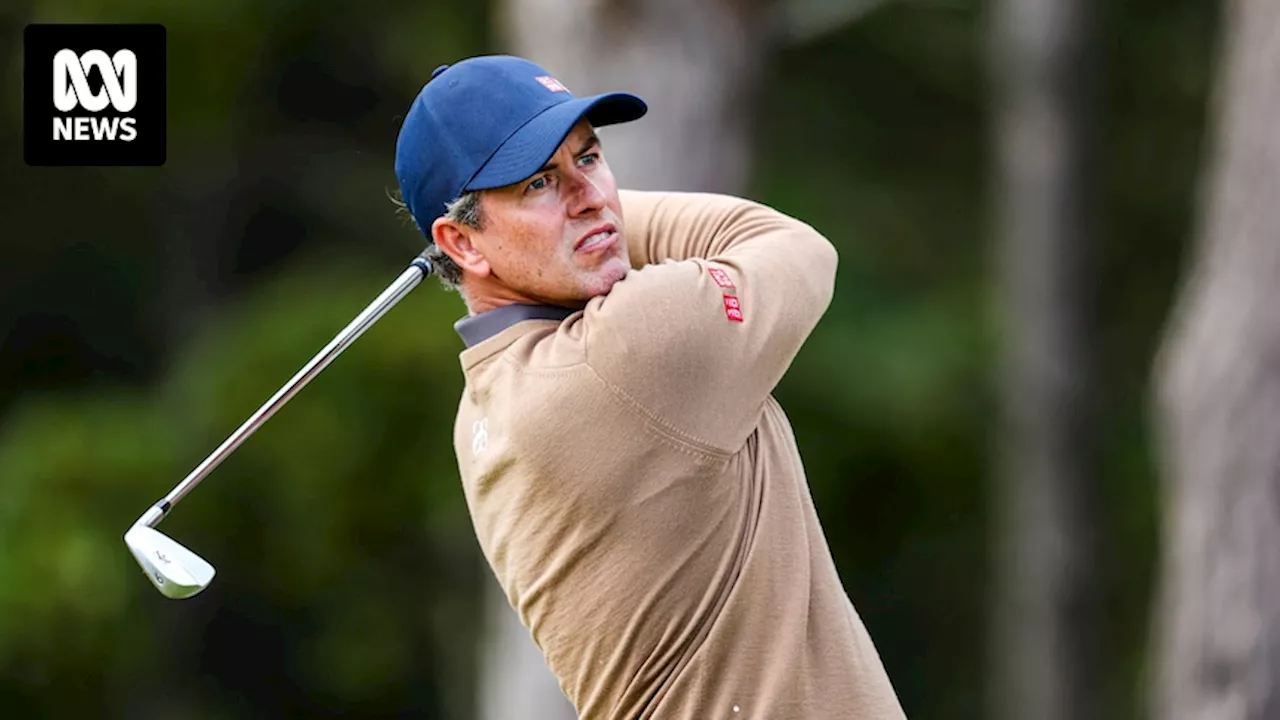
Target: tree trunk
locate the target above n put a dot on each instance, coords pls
(514, 679)
(697, 65)
(1219, 410)
(1042, 625)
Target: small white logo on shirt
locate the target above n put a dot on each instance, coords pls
(479, 436)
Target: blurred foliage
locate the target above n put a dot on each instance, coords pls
(344, 545)
(145, 313)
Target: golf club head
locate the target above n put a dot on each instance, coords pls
(174, 570)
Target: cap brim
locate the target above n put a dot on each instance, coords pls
(529, 148)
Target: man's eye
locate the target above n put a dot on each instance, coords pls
(589, 159)
(538, 183)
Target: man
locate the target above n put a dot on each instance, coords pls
(633, 485)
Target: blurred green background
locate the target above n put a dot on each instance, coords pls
(146, 312)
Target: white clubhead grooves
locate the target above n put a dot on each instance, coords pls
(174, 570)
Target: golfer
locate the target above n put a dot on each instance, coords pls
(634, 486)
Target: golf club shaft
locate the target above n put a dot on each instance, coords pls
(384, 302)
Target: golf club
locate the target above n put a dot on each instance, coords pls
(173, 569)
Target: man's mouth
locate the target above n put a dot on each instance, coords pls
(598, 239)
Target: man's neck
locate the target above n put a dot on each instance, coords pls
(483, 299)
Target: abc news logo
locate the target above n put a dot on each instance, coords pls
(94, 95)
(71, 89)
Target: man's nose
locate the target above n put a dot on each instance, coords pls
(585, 196)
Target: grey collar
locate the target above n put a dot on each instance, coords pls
(475, 329)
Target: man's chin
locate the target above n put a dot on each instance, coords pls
(613, 272)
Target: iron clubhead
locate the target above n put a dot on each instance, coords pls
(174, 570)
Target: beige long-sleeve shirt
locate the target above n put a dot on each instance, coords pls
(638, 491)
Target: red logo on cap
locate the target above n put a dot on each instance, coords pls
(551, 83)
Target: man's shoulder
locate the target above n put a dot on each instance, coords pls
(533, 370)
(547, 348)
(530, 408)
(530, 344)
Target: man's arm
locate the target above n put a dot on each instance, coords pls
(699, 336)
(665, 226)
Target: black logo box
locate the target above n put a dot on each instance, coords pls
(148, 43)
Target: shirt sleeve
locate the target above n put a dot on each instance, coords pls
(724, 293)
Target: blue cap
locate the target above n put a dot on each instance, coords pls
(487, 122)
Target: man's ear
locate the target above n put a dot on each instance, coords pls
(455, 239)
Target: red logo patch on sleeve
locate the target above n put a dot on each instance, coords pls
(721, 277)
(732, 308)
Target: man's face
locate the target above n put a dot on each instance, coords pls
(554, 238)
